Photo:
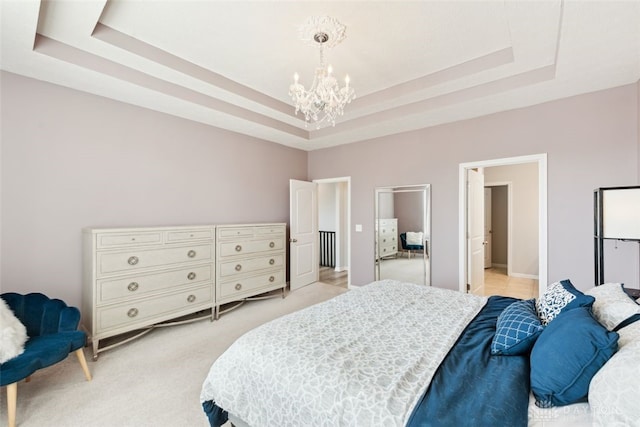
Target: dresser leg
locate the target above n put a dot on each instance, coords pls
(216, 312)
(94, 343)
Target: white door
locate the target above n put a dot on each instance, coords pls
(487, 227)
(303, 239)
(475, 230)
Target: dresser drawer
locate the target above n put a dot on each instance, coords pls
(189, 235)
(276, 229)
(113, 240)
(251, 247)
(242, 266)
(388, 250)
(234, 232)
(143, 312)
(112, 290)
(137, 259)
(247, 285)
(387, 240)
(386, 230)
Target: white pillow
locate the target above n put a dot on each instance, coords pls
(613, 391)
(612, 305)
(414, 238)
(13, 334)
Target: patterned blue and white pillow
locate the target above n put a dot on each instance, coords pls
(517, 329)
(558, 297)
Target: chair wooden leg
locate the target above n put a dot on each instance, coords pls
(12, 399)
(83, 363)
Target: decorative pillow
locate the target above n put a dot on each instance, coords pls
(559, 297)
(13, 334)
(613, 393)
(414, 238)
(517, 329)
(612, 305)
(567, 355)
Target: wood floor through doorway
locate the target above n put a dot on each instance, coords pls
(496, 282)
(330, 276)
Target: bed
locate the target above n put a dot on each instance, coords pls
(399, 354)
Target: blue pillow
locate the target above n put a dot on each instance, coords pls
(559, 297)
(568, 353)
(517, 329)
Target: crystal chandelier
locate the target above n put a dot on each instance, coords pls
(325, 99)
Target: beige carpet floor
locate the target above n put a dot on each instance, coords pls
(413, 270)
(152, 381)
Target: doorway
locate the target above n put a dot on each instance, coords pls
(304, 241)
(333, 232)
(467, 262)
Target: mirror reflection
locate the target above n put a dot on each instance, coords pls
(403, 233)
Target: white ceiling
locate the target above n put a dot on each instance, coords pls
(413, 64)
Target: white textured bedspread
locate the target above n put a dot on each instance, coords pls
(363, 358)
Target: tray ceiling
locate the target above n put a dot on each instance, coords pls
(413, 64)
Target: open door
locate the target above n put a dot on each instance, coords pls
(303, 240)
(475, 231)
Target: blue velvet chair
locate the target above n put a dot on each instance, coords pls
(52, 329)
(407, 247)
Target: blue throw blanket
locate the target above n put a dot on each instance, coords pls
(474, 388)
(471, 387)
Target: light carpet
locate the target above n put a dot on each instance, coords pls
(152, 381)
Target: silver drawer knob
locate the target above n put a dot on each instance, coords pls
(133, 286)
(191, 253)
(238, 267)
(271, 278)
(133, 312)
(133, 260)
(238, 248)
(191, 298)
(191, 276)
(238, 286)
(271, 244)
(272, 261)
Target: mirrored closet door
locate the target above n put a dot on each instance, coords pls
(403, 233)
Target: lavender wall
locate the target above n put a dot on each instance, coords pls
(591, 140)
(72, 160)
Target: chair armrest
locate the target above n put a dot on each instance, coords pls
(69, 319)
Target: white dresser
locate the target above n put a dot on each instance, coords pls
(251, 260)
(387, 237)
(138, 277)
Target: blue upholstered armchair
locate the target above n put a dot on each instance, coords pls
(407, 247)
(52, 329)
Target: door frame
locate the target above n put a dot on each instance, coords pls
(347, 232)
(541, 160)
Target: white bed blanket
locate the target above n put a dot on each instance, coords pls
(363, 358)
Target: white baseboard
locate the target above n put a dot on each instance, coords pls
(341, 269)
(524, 276)
(499, 265)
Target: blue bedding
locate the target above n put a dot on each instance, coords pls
(474, 388)
(471, 387)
